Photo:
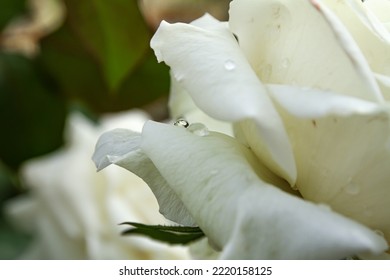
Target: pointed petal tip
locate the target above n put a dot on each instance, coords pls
(113, 145)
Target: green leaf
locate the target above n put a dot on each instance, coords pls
(9, 10)
(32, 115)
(12, 241)
(169, 234)
(114, 34)
(165, 227)
(78, 59)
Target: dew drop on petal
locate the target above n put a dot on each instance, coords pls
(181, 123)
(230, 65)
(198, 129)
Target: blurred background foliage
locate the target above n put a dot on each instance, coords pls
(63, 55)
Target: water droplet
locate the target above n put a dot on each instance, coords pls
(181, 122)
(198, 129)
(286, 63)
(352, 189)
(230, 65)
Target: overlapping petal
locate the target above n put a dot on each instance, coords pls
(206, 59)
(243, 215)
(254, 220)
(181, 105)
(289, 42)
(380, 8)
(341, 146)
(122, 147)
(306, 85)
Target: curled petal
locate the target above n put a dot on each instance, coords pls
(121, 147)
(245, 216)
(207, 61)
(352, 50)
(313, 103)
(380, 9)
(384, 83)
(339, 161)
(289, 42)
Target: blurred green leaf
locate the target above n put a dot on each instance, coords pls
(113, 32)
(8, 183)
(101, 56)
(12, 241)
(32, 117)
(10, 9)
(169, 234)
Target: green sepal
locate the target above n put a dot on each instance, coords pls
(169, 234)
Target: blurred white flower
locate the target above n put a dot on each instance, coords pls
(305, 85)
(73, 212)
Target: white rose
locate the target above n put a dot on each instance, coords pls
(306, 88)
(73, 212)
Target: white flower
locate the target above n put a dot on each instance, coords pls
(73, 212)
(306, 88)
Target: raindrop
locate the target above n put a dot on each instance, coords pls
(230, 65)
(181, 122)
(352, 189)
(198, 129)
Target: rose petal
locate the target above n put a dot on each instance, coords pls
(242, 215)
(289, 42)
(350, 10)
(121, 147)
(114, 145)
(181, 106)
(353, 51)
(314, 103)
(206, 59)
(339, 161)
(381, 9)
(384, 83)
